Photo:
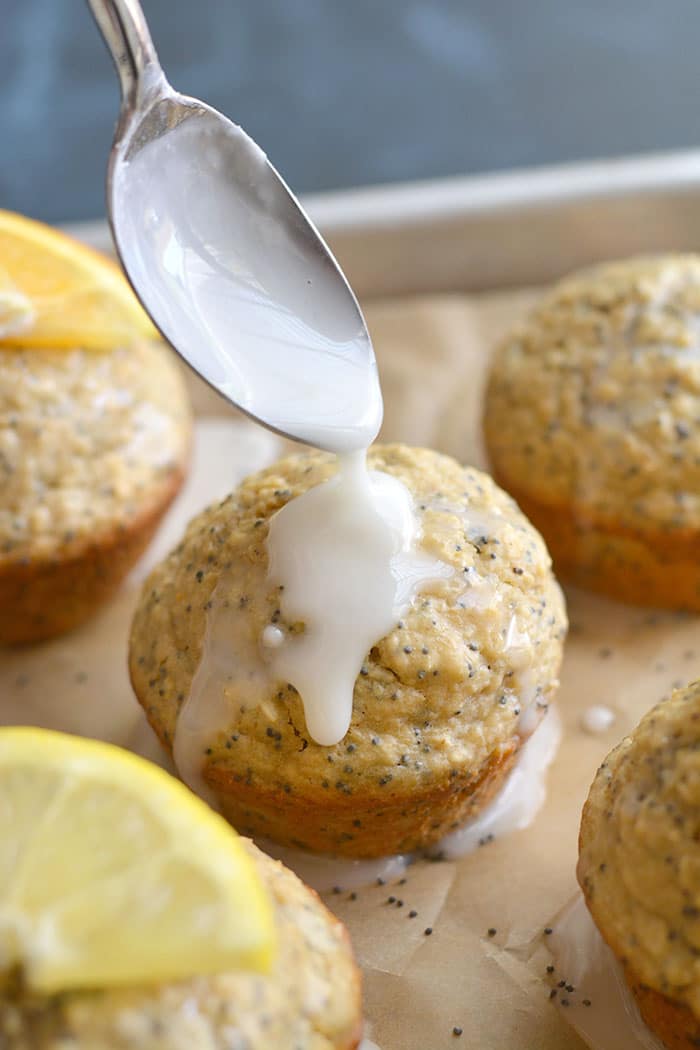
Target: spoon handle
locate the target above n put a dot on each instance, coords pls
(125, 31)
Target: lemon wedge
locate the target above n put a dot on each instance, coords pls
(113, 873)
(75, 296)
(16, 310)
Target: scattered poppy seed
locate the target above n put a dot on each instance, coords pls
(586, 1002)
(492, 931)
(428, 930)
(456, 1030)
(553, 993)
(412, 914)
(547, 930)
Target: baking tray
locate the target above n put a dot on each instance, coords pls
(502, 230)
(441, 269)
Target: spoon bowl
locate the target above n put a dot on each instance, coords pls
(225, 261)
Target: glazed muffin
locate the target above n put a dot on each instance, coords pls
(93, 449)
(310, 1000)
(639, 864)
(441, 706)
(592, 422)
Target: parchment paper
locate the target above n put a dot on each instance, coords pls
(418, 986)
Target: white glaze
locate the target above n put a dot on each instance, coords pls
(254, 308)
(582, 958)
(273, 637)
(597, 719)
(230, 674)
(517, 645)
(481, 592)
(346, 554)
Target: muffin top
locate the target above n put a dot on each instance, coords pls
(87, 440)
(594, 399)
(639, 864)
(310, 999)
(443, 690)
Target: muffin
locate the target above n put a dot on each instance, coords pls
(592, 423)
(310, 1000)
(93, 449)
(442, 703)
(639, 864)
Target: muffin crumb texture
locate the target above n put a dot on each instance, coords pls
(639, 865)
(85, 439)
(310, 1000)
(439, 704)
(592, 422)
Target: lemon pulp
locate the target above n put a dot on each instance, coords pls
(56, 293)
(113, 873)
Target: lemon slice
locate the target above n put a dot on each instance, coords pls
(16, 310)
(113, 873)
(77, 296)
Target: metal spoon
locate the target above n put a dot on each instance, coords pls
(226, 262)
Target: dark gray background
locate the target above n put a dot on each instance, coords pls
(350, 92)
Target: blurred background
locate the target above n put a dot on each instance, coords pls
(353, 92)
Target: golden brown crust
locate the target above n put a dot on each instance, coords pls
(394, 825)
(47, 597)
(673, 1022)
(635, 565)
(400, 824)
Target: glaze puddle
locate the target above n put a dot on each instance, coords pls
(521, 797)
(597, 719)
